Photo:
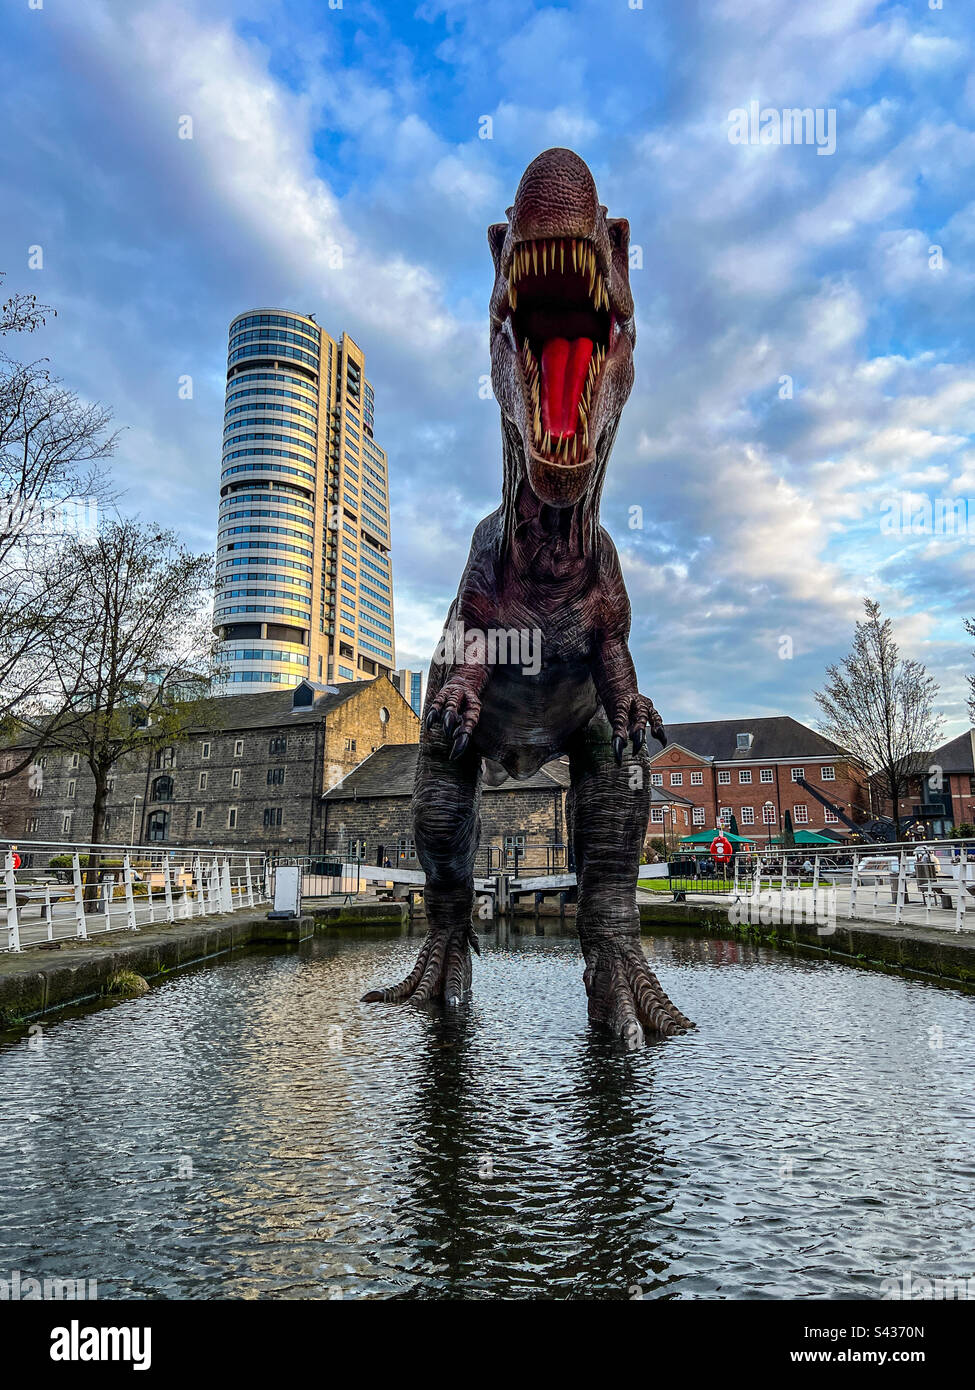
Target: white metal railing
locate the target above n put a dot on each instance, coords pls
(929, 881)
(55, 891)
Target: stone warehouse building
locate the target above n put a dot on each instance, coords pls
(368, 813)
(750, 768)
(250, 777)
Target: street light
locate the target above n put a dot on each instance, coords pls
(135, 800)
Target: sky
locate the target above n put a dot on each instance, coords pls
(804, 350)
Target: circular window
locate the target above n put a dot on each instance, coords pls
(384, 715)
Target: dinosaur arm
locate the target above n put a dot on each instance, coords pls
(457, 702)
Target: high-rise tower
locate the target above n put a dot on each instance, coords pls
(304, 579)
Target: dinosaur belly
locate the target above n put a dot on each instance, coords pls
(528, 719)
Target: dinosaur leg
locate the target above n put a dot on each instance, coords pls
(447, 826)
(609, 807)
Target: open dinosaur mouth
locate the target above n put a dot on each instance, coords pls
(564, 328)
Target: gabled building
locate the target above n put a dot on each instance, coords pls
(367, 815)
(251, 776)
(751, 768)
(943, 798)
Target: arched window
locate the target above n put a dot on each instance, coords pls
(162, 789)
(158, 825)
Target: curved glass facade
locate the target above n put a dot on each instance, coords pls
(303, 512)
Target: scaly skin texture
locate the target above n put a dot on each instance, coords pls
(562, 337)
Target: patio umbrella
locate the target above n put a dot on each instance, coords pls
(809, 837)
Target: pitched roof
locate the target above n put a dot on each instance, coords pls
(275, 708)
(391, 770)
(778, 736)
(957, 755)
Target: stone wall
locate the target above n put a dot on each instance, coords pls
(232, 786)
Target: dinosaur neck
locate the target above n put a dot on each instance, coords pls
(577, 525)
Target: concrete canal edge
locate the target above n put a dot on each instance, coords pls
(37, 981)
(927, 951)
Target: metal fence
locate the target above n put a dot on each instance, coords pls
(323, 877)
(912, 882)
(58, 891)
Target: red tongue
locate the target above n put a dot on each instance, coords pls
(564, 367)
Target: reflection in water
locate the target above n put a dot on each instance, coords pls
(249, 1129)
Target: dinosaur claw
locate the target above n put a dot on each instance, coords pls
(450, 722)
(660, 734)
(619, 743)
(460, 744)
(433, 718)
(639, 739)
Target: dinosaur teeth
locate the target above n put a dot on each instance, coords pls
(549, 255)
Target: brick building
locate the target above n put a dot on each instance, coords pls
(942, 799)
(250, 777)
(749, 767)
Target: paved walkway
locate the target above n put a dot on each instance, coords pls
(873, 905)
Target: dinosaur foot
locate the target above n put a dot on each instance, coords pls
(442, 974)
(626, 996)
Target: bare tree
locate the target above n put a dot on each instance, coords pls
(134, 661)
(881, 709)
(51, 448)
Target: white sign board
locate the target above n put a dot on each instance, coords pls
(287, 891)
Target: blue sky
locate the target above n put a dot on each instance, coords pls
(359, 127)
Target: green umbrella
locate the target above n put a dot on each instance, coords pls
(809, 837)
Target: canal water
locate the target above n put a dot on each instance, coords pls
(248, 1129)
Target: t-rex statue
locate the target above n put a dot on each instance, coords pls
(542, 567)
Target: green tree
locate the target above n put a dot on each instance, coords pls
(51, 448)
(134, 666)
(880, 708)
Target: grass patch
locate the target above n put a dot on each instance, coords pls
(126, 984)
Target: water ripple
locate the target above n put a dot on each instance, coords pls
(249, 1130)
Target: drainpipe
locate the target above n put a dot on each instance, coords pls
(778, 798)
(317, 785)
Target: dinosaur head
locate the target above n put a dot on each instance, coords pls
(562, 328)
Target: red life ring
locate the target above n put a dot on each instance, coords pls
(721, 848)
(16, 860)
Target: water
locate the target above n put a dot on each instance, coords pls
(809, 1140)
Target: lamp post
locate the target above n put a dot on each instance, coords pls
(135, 802)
